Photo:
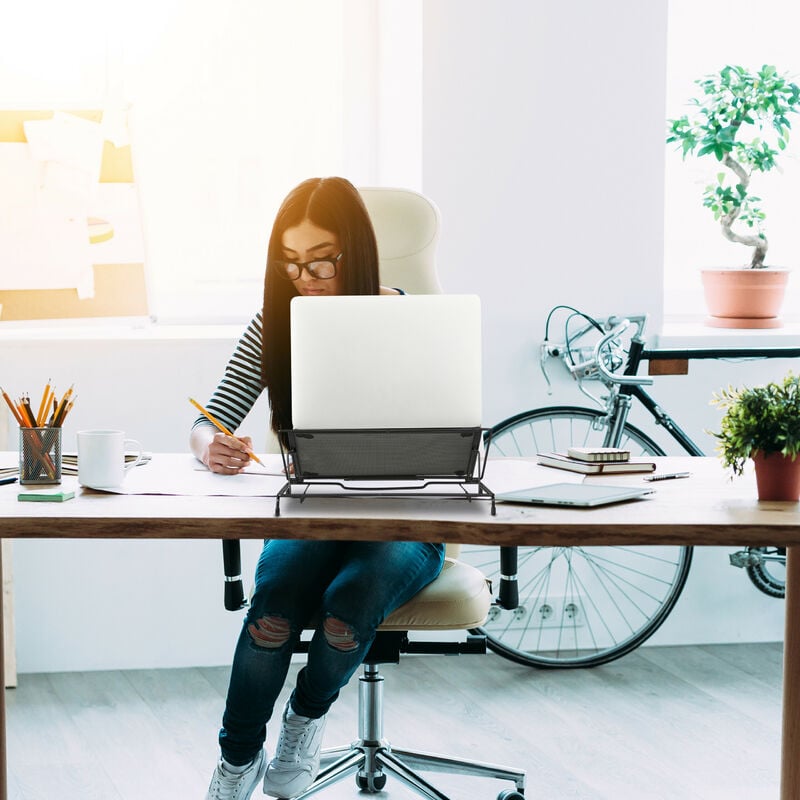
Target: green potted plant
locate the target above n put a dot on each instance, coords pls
(742, 120)
(762, 423)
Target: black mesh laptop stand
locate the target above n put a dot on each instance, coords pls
(449, 458)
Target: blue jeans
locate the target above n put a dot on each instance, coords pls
(348, 588)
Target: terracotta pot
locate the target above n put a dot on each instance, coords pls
(777, 476)
(744, 298)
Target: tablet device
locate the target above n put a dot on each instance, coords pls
(580, 495)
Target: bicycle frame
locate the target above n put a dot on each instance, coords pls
(627, 386)
(626, 391)
(575, 607)
(620, 404)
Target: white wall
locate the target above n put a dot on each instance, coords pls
(112, 604)
(543, 146)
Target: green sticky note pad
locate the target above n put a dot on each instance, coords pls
(45, 497)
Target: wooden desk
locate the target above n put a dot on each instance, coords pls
(706, 509)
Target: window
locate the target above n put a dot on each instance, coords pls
(703, 37)
(229, 106)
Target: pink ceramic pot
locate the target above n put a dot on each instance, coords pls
(744, 298)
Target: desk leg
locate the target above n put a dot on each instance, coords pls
(790, 764)
(3, 765)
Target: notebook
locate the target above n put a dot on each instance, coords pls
(575, 494)
(386, 361)
(560, 461)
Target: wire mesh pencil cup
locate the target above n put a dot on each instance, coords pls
(39, 455)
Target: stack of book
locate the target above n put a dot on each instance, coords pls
(594, 460)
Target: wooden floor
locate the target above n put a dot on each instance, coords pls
(662, 723)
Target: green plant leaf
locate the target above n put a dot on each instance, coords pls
(733, 105)
(764, 418)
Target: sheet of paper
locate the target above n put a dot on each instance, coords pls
(43, 233)
(68, 140)
(188, 477)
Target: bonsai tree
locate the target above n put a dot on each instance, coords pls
(742, 120)
(760, 419)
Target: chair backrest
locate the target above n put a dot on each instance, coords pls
(407, 229)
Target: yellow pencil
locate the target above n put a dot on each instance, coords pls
(220, 427)
(13, 408)
(40, 417)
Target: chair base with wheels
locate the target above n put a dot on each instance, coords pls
(454, 601)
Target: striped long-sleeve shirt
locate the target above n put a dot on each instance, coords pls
(241, 383)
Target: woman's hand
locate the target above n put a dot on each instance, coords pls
(227, 455)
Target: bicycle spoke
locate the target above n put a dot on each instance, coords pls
(577, 606)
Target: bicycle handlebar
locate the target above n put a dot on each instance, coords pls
(628, 380)
(592, 366)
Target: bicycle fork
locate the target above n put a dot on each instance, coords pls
(617, 418)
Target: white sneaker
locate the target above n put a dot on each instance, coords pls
(296, 761)
(226, 785)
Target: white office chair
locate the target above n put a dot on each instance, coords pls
(459, 599)
(406, 226)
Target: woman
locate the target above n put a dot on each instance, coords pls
(322, 243)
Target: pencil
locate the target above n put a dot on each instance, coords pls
(12, 407)
(43, 405)
(220, 427)
(58, 417)
(27, 412)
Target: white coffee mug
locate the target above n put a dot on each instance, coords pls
(101, 458)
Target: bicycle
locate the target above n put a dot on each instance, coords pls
(584, 606)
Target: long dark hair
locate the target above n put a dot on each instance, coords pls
(334, 205)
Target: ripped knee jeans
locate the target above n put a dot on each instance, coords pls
(343, 589)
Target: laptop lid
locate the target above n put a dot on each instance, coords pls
(386, 361)
(580, 495)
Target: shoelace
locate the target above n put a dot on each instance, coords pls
(225, 785)
(293, 733)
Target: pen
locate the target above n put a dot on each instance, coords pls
(4, 481)
(220, 427)
(666, 476)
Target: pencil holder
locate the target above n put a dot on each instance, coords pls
(39, 455)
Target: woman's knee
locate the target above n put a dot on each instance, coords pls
(269, 631)
(339, 634)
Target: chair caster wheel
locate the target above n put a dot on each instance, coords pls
(511, 794)
(370, 783)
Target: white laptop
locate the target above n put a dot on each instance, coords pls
(580, 495)
(386, 361)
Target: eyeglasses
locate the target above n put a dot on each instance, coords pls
(322, 269)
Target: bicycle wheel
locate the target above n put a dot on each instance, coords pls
(578, 606)
(769, 575)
